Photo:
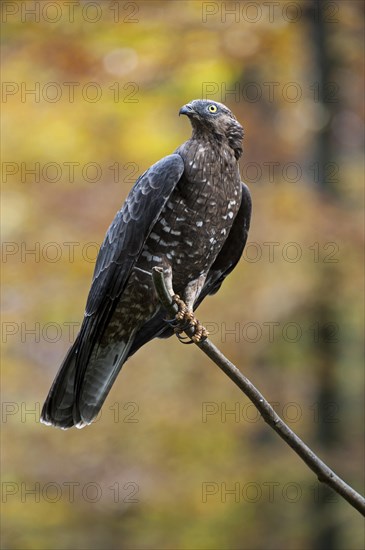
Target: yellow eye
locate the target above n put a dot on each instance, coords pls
(212, 108)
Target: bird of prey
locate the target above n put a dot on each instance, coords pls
(189, 213)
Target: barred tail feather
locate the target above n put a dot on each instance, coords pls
(58, 407)
(73, 402)
(100, 375)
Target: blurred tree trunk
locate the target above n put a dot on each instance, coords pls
(325, 529)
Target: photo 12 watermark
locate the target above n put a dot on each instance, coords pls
(252, 492)
(69, 11)
(273, 12)
(70, 92)
(271, 91)
(66, 172)
(26, 412)
(270, 332)
(73, 492)
(291, 412)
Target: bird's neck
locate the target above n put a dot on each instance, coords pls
(232, 140)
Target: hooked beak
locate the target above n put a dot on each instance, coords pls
(187, 110)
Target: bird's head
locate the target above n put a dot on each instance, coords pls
(214, 119)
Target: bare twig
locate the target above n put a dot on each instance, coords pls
(323, 472)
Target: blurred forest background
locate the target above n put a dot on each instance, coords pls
(179, 459)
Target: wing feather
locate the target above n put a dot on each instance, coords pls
(118, 253)
(129, 230)
(232, 249)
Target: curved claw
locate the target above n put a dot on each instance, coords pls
(182, 338)
(171, 322)
(174, 323)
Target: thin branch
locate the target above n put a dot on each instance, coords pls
(323, 472)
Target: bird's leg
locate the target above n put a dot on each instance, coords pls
(167, 271)
(183, 310)
(186, 312)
